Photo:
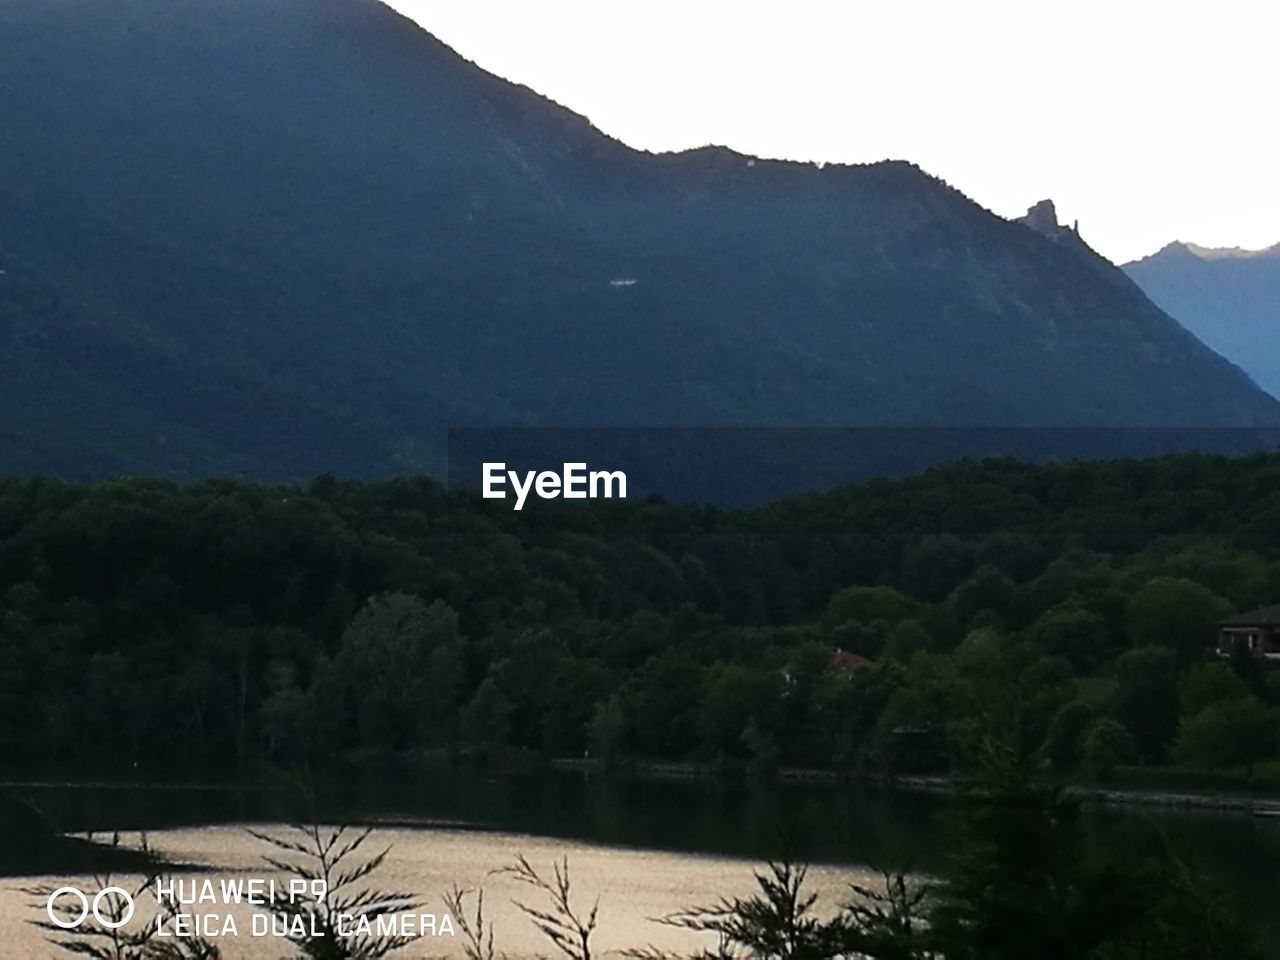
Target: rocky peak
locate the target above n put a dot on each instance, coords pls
(1043, 218)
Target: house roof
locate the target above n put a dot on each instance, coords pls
(844, 662)
(1262, 617)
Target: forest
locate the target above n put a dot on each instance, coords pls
(222, 627)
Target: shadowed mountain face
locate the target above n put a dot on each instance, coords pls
(280, 237)
(1230, 299)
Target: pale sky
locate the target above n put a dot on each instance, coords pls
(1146, 121)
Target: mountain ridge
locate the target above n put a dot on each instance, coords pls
(1207, 253)
(276, 239)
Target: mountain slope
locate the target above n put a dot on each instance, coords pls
(277, 237)
(1230, 299)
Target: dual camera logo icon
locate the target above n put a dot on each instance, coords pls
(110, 921)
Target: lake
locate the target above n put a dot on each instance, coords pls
(645, 847)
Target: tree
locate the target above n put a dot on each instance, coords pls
(736, 696)
(1226, 734)
(1034, 699)
(848, 707)
(933, 565)
(1062, 744)
(384, 660)
(477, 935)
(1146, 698)
(525, 674)
(781, 920)
(608, 729)
(1174, 613)
(987, 590)
(664, 696)
(327, 926)
(1072, 632)
(577, 685)
(284, 713)
(906, 639)
(1019, 885)
(981, 651)
(912, 732)
(486, 720)
(1106, 745)
(778, 922)
(1190, 919)
(1210, 684)
(889, 922)
(567, 928)
(867, 605)
(446, 674)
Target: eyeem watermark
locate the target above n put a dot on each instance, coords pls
(574, 482)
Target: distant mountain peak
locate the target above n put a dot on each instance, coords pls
(1227, 296)
(1182, 249)
(1230, 253)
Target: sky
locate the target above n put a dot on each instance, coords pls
(1146, 122)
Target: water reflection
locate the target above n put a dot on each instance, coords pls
(824, 825)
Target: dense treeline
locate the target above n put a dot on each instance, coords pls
(203, 627)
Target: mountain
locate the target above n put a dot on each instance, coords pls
(1228, 297)
(274, 238)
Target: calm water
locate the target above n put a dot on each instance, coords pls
(645, 847)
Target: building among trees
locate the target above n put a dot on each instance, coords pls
(1256, 632)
